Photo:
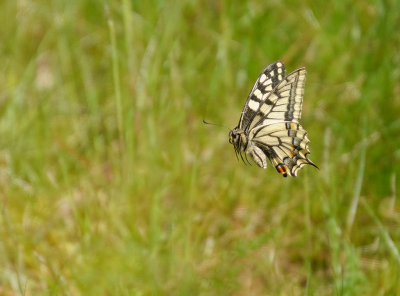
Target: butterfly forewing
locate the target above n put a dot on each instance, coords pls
(284, 103)
(266, 82)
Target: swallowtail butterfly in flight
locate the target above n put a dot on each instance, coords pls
(269, 125)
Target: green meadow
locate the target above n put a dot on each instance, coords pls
(111, 184)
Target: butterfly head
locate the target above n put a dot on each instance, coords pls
(233, 137)
(237, 138)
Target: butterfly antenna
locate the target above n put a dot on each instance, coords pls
(216, 124)
(236, 149)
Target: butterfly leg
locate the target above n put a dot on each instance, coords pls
(245, 155)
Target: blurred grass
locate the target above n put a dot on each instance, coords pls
(112, 185)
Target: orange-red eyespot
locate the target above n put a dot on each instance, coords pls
(281, 168)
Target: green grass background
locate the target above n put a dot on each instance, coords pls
(110, 184)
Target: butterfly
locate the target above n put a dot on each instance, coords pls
(269, 124)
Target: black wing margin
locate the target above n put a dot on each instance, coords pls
(268, 79)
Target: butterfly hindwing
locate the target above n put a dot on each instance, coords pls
(284, 143)
(266, 82)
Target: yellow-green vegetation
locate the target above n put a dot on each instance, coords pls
(110, 183)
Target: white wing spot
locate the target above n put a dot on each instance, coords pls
(258, 93)
(269, 81)
(268, 88)
(253, 105)
(272, 74)
(262, 78)
(279, 70)
(279, 77)
(279, 64)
